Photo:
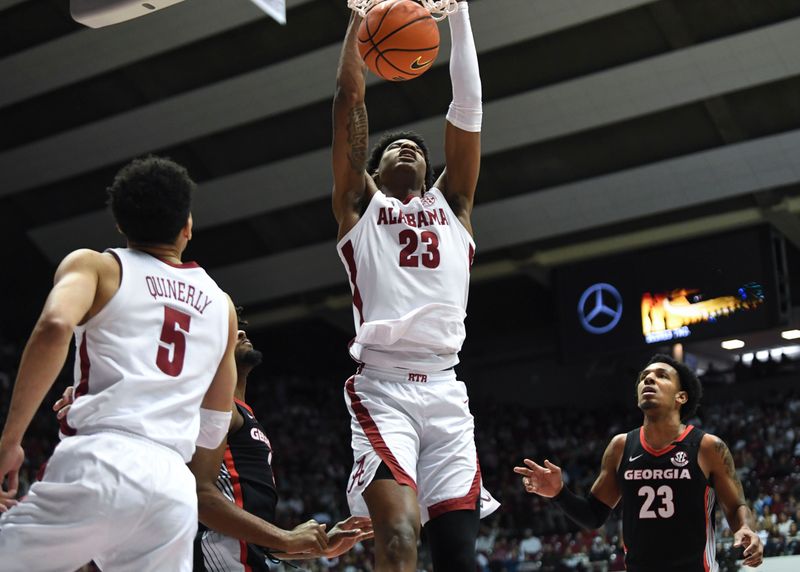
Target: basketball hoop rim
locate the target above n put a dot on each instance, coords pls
(439, 9)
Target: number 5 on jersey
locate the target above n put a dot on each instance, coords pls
(173, 341)
(410, 242)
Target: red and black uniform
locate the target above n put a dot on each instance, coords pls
(668, 506)
(245, 478)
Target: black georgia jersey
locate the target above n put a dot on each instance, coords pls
(245, 478)
(248, 464)
(668, 506)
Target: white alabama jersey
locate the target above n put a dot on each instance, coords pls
(409, 267)
(145, 361)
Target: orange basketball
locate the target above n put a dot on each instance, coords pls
(398, 40)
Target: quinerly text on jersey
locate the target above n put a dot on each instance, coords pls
(408, 264)
(668, 506)
(145, 361)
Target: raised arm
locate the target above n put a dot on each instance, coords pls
(67, 305)
(462, 138)
(351, 185)
(716, 460)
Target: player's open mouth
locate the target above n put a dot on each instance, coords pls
(648, 390)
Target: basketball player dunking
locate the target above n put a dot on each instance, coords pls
(407, 247)
(668, 476)
(154, 376)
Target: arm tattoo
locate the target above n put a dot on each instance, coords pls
(730, 469)
(357, 134)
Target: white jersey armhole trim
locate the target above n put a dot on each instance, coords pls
(116, 300)
(356, 227)
(453, 216)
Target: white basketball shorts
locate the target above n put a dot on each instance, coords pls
(420, 426)
(126, 503)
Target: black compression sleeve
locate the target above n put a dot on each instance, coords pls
(588, 512)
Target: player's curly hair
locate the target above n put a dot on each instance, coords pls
(242, 323)
(151, 199)
(389, 138)
(689, 381)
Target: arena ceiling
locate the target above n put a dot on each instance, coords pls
(608, 125)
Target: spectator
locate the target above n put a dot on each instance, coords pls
(784, 523)
(530, 547)
(303, 426)
(792, 540)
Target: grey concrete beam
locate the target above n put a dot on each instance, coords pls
(675, 184)
(250, 97)
(87, 53)
(6, 4)
(602, 201)
(676, 31)
(696, 74)
(544, 260)
(538, 266)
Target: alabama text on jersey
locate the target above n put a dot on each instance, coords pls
(408, 264)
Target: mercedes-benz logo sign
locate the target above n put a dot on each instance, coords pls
(600, 308)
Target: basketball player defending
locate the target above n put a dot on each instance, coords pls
(407, 247)
(668, 475)
(237, 496)
(154, 376)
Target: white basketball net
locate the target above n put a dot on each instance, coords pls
(439, 9)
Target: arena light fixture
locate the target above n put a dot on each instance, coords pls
(790, 334)
(732, 344)
(102, 13)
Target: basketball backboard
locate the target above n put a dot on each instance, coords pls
(101, 13)
(276, 9)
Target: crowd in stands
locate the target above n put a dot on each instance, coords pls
(308, 426)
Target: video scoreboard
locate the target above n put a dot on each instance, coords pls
(697, 289)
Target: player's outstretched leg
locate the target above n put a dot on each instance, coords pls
(452, 538)
(395, 519)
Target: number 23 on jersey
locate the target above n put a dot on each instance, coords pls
(422, 248)
(664, 509)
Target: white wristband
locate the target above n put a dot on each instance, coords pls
(214, 427)
(466, 109)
